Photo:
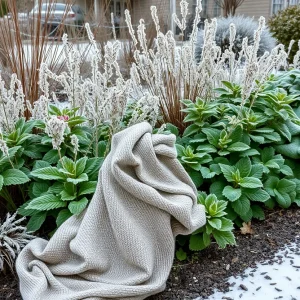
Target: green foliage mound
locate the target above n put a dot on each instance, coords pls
(244, 157)
(285, 26)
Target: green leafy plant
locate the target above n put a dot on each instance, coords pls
(218, 227)
(237, 152)
(60, 191)
(284, 34)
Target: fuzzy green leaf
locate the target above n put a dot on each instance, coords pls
(231, 193)
(196, 242)
(251, 182)
(206, 239)
(48, 173)
(286, 170)
(173, 129)
(51, 156)
(39, 188)
(286, 186)
(271, 184)
(80, 165)
(191, 129)
(247, 216)
(227, 225)
(180, 150)
(236, 134)
(217, 189)
(196, 177)
(88, 187)
(244, 166)
(257, 212)
(46, 202)
(267, 154)
(62, 216)
(181, 254)
(241, 206)
(224, 238)
(249, 152)
(65, 196)
(81, 178)
(256, 194)
(206, 173)
(56, 188)
(36, 221)
(215, 223)
(40, 164)
(101, 148)
(92, 166)
(212, 135)
(227, 172)
(238, 147)
(256, 171)
(283, 199)
(68, 164)
(76, 207)
(14, 177)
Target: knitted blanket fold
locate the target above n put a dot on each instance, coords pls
(122, 246)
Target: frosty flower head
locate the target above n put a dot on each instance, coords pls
(55, 128)
(3, 147)
(74, 142)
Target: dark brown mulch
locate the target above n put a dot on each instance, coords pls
(207, 270)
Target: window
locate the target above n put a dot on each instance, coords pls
(293, 2)
(204, 9)
(277, 6)
(216, 10)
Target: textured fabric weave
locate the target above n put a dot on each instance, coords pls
(122, 245)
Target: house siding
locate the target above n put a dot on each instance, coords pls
(255, 8)
(141, 10)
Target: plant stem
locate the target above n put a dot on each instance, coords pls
(6, 195)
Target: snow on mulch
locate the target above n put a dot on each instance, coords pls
(278, 278)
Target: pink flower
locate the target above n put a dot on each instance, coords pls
(63, 118)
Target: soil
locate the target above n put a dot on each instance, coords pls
(209, 269)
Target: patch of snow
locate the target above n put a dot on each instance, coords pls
(281, 280)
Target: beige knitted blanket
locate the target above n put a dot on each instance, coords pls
(122, 245)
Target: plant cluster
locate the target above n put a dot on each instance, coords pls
(237, 28)
(290, 18)
(243, 155)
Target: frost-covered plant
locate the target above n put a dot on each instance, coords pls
(11, 103)
(171, 73)
(55, 128)
(13, 237)
(285, 27)
(230, 33)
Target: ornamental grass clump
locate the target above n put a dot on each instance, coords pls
(171, 72)
(13, 237)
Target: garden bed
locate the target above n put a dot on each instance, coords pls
(208, 270)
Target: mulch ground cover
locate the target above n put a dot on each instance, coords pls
(209, 269)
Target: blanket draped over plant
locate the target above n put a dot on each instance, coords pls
(122, 245)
